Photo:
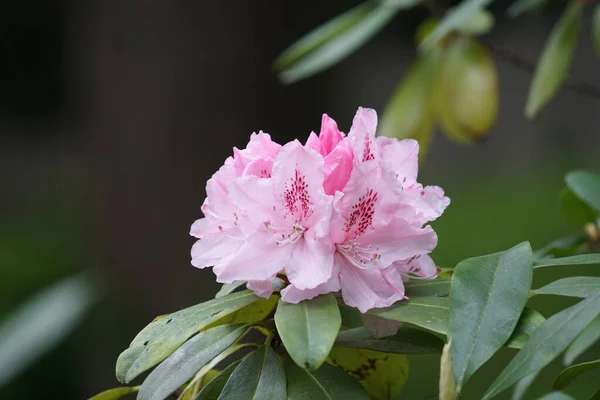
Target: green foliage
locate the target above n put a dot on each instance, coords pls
(382, 375)
(430, 313)
(576, 286)
(213, 389)
(326, 383)
(44, 320)
(576, 210)
(568, 375)
(308, 329)
(428, 287)
(555, 61)
(520, 7)
(405, 341)
(447, 388)
(163, 336)
(487, 298)
(586, 185)
(585, 340)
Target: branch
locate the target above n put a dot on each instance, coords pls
(520, 62)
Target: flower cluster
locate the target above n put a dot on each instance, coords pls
(337, 213)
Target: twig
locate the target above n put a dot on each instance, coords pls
(520, 62)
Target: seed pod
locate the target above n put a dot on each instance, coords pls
(467, 91)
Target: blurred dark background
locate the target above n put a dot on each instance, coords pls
(113, 114)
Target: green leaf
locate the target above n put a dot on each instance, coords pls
(567, 375)
(528, 323)
(213, 389)
(555, 61)
(427, 287)
(430, 313)
(586, 186)
(547, 342)
(41, 323)
(453, 20)
(228, 288)
(332, 42)
(487, 297)
(588, 337)
(447, 383)
(563, 247)
(523, 385)
(479, 23)
(259, 376)
(351, 317)
(409, 113)
(250, 314)
(581, 259)
(380, 327)
(382, 375)
(439, 287)
(163, 336)
(183, 364)
(596, 396)
(576, 210)
(115, 394)
(523, 6)
(326, 383)
(556, 396)
(308, 329)
(405, 341)
(576, 286)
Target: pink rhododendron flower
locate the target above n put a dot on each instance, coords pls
(338, 213)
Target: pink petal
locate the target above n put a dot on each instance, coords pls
(422, 266)
(338, 167)
(212, 249)
(292, 294)
(362, 135)
(402, 157)
(262, 288)
(253, 262)
(329, 135)
(313, 142)
(311, 263)
(366, 288)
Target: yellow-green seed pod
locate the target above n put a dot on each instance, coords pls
(467, 91)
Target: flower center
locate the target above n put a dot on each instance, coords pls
(296, 234)
(361, 256)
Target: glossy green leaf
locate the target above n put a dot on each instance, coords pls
(308, 329)
(576, 286)
(453, 20)
(228, 288)
(200, 378)
(556, 396)
(259, 376)
(584, 341)
(381, 374)
(427, 287)
(547, 342)
(523, 6)
(430, 313)
(576, 210)
(183, 364)
(581, 259)
(163, 336)
(563, 247)
(466, 95)
(586, 185)
(213, 389)
(555, 61)
(487, 297)
(332, 42)
(528, 323)
(252, 313)
(523, 385)
(326, 383)
(405, 341)
(115, 394)
(479, 23)
(447, 383)
(409, 113)
(41, 323)
(351, 317)
(567, 375)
